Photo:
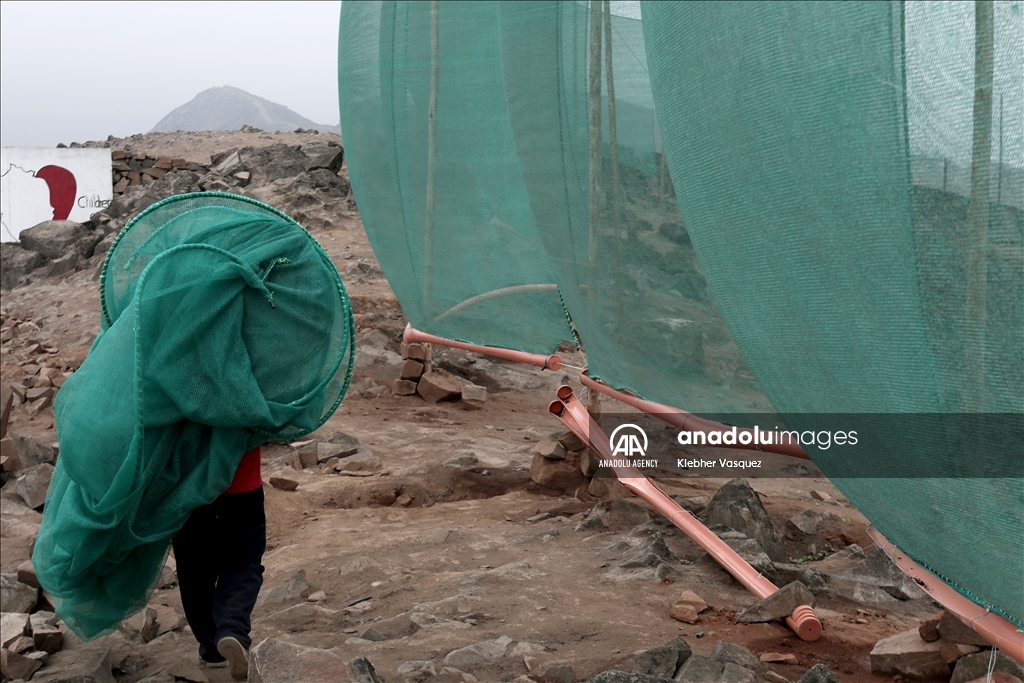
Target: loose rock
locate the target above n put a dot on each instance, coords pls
(953, 630)
(277, 661)
(664, 660)
(478, 653)
(907, 654)
(82, 665)
(16, 597)
(819, 673)
(725, 652)
(698, 669)
(738, 506)
(437, 386)
(975, 666)
(778, 605)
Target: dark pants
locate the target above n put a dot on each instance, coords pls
(218, 553)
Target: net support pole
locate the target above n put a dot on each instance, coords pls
(428, 232)
(594, 120)
(613, 145)
(803, 621)
(978, 211)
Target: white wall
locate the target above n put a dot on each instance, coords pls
(25, 199)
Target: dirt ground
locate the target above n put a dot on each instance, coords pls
(462, 562)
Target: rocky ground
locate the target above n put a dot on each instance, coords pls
(456, 540)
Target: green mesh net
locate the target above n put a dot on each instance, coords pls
(806, 209)
(224, 324)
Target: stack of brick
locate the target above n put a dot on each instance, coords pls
(563, 463)
(420, 377)
(139, 168)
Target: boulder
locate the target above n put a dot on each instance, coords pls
(13, 625)
(975, 666)
(54, 239)
(623, 677)
(81, 665)
(15, 262)
(33, 483)
(778, 605)
(62, 266)
(16, 666)
(478, 653)
(276, 162)
(738, 506)
(560, 475)
(698, 669)
(952, 630)
(33, 452)
(878, 571)
(437, 386)
(276, 661)
(650, 553)
(664, 660)
(732, 653)
(328, 155)
(819, 673)
(907, 654)
(360, 670)
(168, 185)
(16, 597)
(733, 673)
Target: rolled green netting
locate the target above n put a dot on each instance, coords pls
(856, 207)
(224, 324)
(442, 198)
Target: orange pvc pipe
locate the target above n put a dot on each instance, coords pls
(552, 362)
(803, 621)
(989, 625)
(688, 421)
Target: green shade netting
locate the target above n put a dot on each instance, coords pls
(779, 221)
(800, 138)
(479, 273)
(224, 324)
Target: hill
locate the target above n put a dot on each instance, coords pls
(227, 108)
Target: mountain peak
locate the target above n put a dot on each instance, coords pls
(230, 108)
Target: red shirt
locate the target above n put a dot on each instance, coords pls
(247, 476)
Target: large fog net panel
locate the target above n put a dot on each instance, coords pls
(224, 324)
(850, 177)
(589, 146)
(435, 172)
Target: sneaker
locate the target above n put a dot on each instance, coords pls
(203, 664)
(237, 656)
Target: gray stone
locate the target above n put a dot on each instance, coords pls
(754, 555)
(170, 184)
(474, 395)
(734, 673)
(361, 671)
(879, 571)
(370, 634)
(623, 677)
(15, 262)
(33, 452)
(276, 162)
(663, 661)
(478, 653)
(650, 553)
(559, 673)
(416, 670)
(229, 164)
(141, 625)
(698, 669)
(972, 667)
(328, 155)
(733, 653)
(81, 665)
(33, 483)
(736, 505)
(16, 597)
(953, 630)
(778, 605)
(62, 266)
(276, 661)
(297, 589)
(819, 673)
(54, 239)
(468, 462)
(907, 654)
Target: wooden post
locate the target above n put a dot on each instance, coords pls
(428, 232)
(978, 209)
(594, 119)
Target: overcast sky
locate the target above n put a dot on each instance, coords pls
(78, 71)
